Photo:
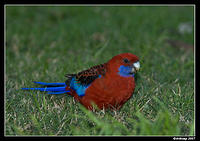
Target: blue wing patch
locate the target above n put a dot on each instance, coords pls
(78, 87)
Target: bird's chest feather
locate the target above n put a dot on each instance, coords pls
(112, 88)
(106, 92)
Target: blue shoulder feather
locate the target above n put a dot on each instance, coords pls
(78, 87)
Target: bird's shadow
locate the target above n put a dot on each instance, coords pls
(137, 77)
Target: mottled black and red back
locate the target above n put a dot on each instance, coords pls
(86, 77)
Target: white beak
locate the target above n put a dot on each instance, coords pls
(136, 67)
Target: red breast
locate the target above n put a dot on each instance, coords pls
(111, 90)
(108, 93)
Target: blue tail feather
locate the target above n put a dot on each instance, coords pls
(63, 92)
(49, 84)
(59, 88)
(46, 89)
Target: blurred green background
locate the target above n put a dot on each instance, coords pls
(43, 43)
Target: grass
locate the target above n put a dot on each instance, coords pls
(45, 43)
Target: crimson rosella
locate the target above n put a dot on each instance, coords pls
(107, 85)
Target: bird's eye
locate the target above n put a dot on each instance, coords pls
(126, 60)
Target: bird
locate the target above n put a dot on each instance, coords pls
(107, 86)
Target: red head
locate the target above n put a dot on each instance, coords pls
(124, 64)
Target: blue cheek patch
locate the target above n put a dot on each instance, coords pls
(124, 71)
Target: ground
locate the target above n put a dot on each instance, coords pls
(43, 43)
